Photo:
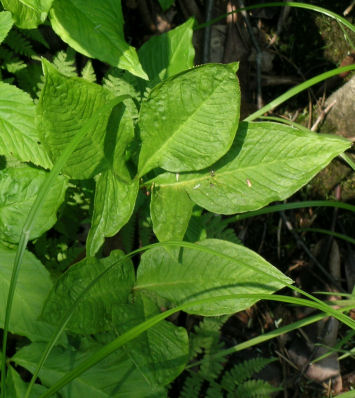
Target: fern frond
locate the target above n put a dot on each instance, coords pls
(6, 55)
(65, 63)
(15, 65)
(192, 386)
(35, 35)
(206, 334)
(120, 83)
(127, 235)
(254, 389)
(211, 226)
(243, 371)
(29, 78)
(214, 391)
(18, 43)
(88, 72)
(211, 367)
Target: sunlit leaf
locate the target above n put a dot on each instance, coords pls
(189, 121)
(183, 275)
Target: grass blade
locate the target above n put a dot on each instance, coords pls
(289, 206)
(296, 90)
(305, 6)
(328, 232)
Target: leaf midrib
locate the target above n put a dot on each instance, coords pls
(166, 142)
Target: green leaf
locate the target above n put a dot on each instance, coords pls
(93, 313)
(16, 387)
(114, 377)
(122, 116)
(183, 275)
(65, 105)
(88, 72)
(95, 29)
(168, 54)
(170, 210)
(32, 288)
(113, 207)
(18, 190)
(160, 354)
(28, 14)
(165, 4)
(18, 134)
(267, 162)
(116, 193)
(189, 121)
(6, 23)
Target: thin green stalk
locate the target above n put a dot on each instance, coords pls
(337, 347)
(311, 7)
(348, 160)
(296, 90)
(289, 206)
(328, 232)
(286, 121)
(267, 336)
(142, 327)
(28, 225)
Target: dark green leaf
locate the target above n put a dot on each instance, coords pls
(165, 4)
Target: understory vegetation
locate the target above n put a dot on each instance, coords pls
(142, 253)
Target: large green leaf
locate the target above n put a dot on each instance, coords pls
(18, 134)
(170, 210)
(267, 162)
(18, 190)
(168, 54)
(183, 275)
(113, 207)
(161, 352)
(66, 105)
(28, 14)
(6, 23)
(32, 288)
(93, 313)
(114, 377)
(95, 29)
(16, 387)
(189, 121)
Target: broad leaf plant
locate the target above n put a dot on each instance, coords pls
(160, 134)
